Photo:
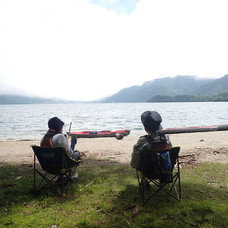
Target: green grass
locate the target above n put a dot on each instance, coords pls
(107, 196)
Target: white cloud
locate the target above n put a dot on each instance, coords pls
(119, 6)
(76, 50)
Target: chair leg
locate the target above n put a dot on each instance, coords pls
(159, 187)
(49, 179)
(144, 184)
(174, 190)
(34, 173)
(179, 178)
(140, 183)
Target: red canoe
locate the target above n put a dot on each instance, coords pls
(119, 134)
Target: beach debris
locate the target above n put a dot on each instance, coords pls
(18, 177)
(83, 154)
(54, 226)
(90, 183)
(200, 191)
(128, 222)
(135, 209)
(188, 159)
(119, 153)
(25, 140)
(105, 212)
(187, 155)
(216, 152)
(99, 155)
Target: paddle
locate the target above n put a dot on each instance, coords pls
(68, 133)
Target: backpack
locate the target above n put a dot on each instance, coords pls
(155, 159)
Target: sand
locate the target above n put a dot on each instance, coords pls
(195, 148)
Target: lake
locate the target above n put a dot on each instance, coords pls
(22, 122)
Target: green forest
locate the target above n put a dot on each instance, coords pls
(190, 98)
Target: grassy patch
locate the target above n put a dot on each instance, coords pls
(107, 196)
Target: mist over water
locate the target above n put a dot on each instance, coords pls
(22, 122)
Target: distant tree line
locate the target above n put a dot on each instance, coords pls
(190, 98)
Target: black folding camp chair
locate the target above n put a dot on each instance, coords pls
(56, 168)
(160, 170)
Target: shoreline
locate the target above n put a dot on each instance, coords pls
(195, 148)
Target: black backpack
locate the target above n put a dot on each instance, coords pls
(155, 160)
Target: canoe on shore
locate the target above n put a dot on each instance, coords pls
(119, 134)
(223, 127)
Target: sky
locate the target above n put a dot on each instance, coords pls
(90, 49)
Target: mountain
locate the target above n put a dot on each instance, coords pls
(215, 87)
(179, 85)
(14, 99)
(168, 89)
(190, 98)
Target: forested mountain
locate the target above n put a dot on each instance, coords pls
(179, 88)
(15, 99)
(215, 87)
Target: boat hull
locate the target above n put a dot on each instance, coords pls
(119, 134)
(223, 127)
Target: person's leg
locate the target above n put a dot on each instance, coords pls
(73, 142)
(76, 156)
(74, 173)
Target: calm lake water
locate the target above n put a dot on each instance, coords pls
(21, 122)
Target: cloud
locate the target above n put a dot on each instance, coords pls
(119, 6)
(78, 50)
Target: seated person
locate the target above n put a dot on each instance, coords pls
(55, 137)
(151, 121)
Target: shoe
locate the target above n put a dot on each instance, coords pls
(146, 183)
(75, 179)
(61, 180)
(74, 174)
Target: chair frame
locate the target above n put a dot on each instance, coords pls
(60, 167)
(173, 189)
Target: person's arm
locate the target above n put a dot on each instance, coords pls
(168, 141)
(73, 142)
(135, 156)
(61, 140)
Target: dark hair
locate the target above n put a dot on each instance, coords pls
(151, 120)
(55, 123)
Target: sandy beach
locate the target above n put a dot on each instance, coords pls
(195, 148)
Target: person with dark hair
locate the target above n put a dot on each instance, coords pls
(153, 141)
(55, 137)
